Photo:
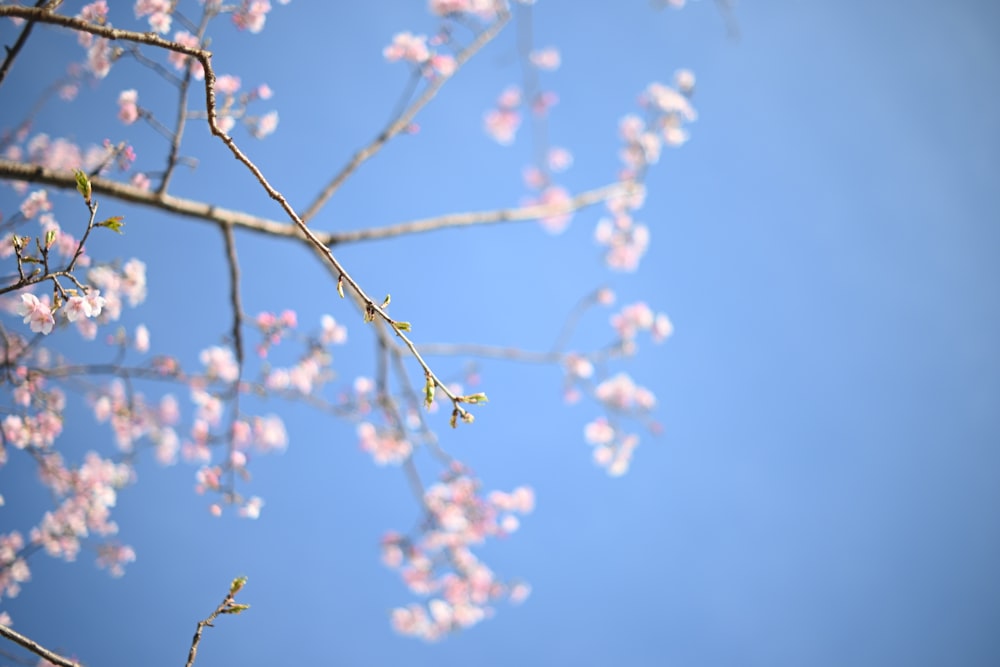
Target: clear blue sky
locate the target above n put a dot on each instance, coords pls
(827, 487)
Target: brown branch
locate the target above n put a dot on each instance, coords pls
(405, 118)
(150, 38)
(36, 648)
(129, 193)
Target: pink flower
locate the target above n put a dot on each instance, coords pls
(559, 159)
(502, 122)
(557, 198)
(37, 202)
(180, 61)
(667, 100)
(501, 125)
(443, 64)
(140, 181)
(114, 556)
(95, 12)
(160, 22)
(408, 47)
(89, 305)
(36, 313)
(264, 125)
(252, 15)
(546, 59)
(99, 58)
(662, 328)
(331, 332)
(684, 80)
(220, 364)
(599, 432)
(141, 338)
(227, 84)
(251, 510)
(385, 447)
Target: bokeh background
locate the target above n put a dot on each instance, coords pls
(825, 491)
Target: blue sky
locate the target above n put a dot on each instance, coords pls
(826, 488)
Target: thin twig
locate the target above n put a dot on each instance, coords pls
(523, 213)
(208, 13)
(227, 606)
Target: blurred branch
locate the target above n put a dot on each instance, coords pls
(533, 212)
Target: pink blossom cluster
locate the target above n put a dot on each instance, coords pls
(548, 58)
(132, 419)
(14, 569)
(501, 122)
(252, 14)
(262, 126)
(232, 106)
(413, 49)
(625, 240)
(114, 556)
(636, 317)
(56, 154)
(386, 445)
(620, 393)
(312, 370)
(612, 448)
(273, 328)
(558, 198)
(180, 62)
(117, 285)
(88, 493)
(441, 563)
(159, 13)
(668, 109)
(128, 108)
(484, 9)
(99, 53)
(39, 430)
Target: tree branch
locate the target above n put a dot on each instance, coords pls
(523, 213)
(36, 648)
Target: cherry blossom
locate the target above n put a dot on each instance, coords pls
(36, 313)
(35, 203)
(385, 445)
(502, 122)
(546, 59)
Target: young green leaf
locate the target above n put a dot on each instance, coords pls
(429, 387)
(238, 583)
(83, 185)
(235, 608)
(114, 223)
